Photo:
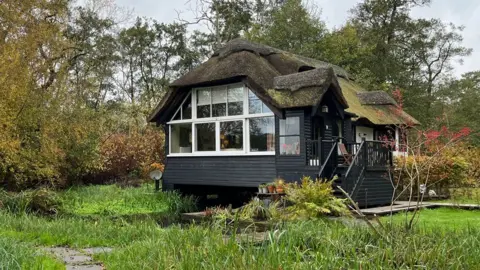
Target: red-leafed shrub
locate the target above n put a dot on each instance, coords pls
(130, 156)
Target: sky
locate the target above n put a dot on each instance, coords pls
(336, 12)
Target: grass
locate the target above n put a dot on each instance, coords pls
(442, 218)
(303, 245)
(112, 200)
(20, 255)
(444, 238)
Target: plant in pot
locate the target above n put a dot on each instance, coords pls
(271, 188)
(263, 188)
(280, 186)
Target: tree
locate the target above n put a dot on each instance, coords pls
(457, 105)
(92, 70)
(344, 48)
(291, 27)
(381, 23)
(434, 45)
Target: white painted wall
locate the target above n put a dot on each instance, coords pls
(363, 132)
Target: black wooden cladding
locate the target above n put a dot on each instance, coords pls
(239, 171)
(250, 171)
(376, 189)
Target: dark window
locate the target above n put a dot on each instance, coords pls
(205, 134)
(290, 136)
(231, 136)
(262, 134)
(187, 109)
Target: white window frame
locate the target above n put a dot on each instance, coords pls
(245, 117)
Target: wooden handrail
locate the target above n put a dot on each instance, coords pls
(327, 159)
(359, 150)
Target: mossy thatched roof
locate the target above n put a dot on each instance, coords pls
(282, 80)
(378, 114)
(376, 98)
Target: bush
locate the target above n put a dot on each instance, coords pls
(471, 155)
(40, 201)
(313, 199)
(445, 170)
(130, 156)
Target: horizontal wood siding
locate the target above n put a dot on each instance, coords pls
(246, 171)
(376, 189)
(348, 134)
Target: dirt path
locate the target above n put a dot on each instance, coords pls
(78, 259)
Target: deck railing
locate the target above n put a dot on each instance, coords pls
(330, 160)
(378, 154)
(314, 154)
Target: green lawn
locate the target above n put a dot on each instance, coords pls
(442, 218)
(444, 238)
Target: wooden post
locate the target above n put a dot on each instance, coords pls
(157, 185)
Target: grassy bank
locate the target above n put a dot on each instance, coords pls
(443, 238)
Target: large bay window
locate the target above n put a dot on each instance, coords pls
(223, 120)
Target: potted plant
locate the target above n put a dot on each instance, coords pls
(279, 186)
(260, 189)
(271, 188)
(263, 188)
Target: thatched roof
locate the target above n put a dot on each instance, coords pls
(281, 79)
(377, 114)
(376, 98)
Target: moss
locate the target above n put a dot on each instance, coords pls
(377, 114)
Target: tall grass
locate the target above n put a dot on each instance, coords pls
(113, 200)
(15, 255)
(305, 245)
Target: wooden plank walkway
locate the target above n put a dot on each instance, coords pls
(400, 206)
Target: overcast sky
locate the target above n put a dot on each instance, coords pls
(335, 13)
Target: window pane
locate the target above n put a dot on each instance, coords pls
(235, 108)
(178, 116)
(187, 109)
(203, 111)
(235, 94)
(219, 95)
(219, 110)
(251, 95)
(203, 97)
(231, 136)
(254, 106)
(265, 109)
(181, 138)
(290, 126)
(290, 145)
(205, 137)
(262, 134)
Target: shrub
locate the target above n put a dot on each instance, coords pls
(471, 155)
(40, 201)
(439, 172)
(313, 199)
(132, 155)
